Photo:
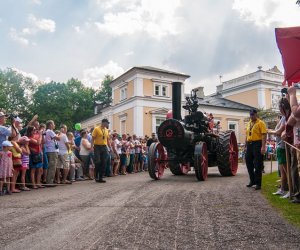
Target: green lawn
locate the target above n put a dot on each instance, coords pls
(289, 211)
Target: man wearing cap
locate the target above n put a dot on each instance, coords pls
(4, 131)
(255, 148)
(100, 142)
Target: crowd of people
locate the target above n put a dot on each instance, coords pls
(38, 156)
(287, 132)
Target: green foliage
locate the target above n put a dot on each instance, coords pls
(105, 92)
(67, 103)
(288, 210)
(15, 95)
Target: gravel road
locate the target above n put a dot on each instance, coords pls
(134, 212)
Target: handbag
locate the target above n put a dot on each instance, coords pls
(36, 158)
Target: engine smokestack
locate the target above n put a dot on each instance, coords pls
(176, 100)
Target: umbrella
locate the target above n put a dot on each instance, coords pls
(288, 42)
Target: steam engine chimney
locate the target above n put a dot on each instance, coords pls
(176, 100)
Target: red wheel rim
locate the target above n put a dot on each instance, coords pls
(204, 161)
(233, 154)
(160, 157)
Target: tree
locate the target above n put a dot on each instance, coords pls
(16, 91)
(66, 103)
(105, 93)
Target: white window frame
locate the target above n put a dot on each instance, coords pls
(154, 117)
(160, 90)
(123, 93)
(123, 119)
(236, 123)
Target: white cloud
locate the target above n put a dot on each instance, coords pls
(25, 74)
(155, 17)
(268, 12)
(15, 36)
(40, 24)
(37, 2)
(93, 77)
(129, 53)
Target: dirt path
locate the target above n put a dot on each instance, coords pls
(134, 212)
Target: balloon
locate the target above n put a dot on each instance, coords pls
(77, 126)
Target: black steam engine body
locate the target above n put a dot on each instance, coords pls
(188, 142)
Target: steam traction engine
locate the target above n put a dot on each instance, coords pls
(189, 143)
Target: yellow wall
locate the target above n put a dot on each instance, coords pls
(148, 87)
(130, 89)
(116, 96)
(224, 124)
(147, 121)
(249, 97)
(129, 121)
(268, 97)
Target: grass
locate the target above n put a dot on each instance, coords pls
(289, 210)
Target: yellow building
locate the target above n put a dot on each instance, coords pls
(142, 97)
(260, 89)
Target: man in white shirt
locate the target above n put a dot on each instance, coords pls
(51, 148)
(63, 156)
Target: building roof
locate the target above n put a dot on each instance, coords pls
(151, 69)
(219, 101)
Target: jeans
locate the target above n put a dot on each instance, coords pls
(100, 159)
(254, 162)
(52, 165)
(130, 166)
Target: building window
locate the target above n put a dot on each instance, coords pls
(161, 90)
(158, 121)
(123, 93)
(234, 126)
(164, 90)
(123, 127)
(275, 100)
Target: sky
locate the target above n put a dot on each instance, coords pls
(87, 39)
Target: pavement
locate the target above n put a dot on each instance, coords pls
(134, 212)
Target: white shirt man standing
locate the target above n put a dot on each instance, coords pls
(63, 156)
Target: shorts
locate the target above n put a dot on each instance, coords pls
(281, 157)
(24, 166)
(63, 161)
(116, 158)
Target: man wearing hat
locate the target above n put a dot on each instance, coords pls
(255, 148)
(4, 131)
(100, 142)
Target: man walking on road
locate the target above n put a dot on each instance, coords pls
(100, 142)
(255, 149)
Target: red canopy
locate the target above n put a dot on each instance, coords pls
(288, 41)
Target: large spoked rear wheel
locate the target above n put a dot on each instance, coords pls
(201, 161)
(157, 160)
(179, 169)
(227, 154)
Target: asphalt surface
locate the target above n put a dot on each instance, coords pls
(134, 212)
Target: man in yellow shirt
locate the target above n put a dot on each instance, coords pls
(256, 148)
(100, 142)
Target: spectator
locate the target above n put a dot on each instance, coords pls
(294, 120)
(17, 163)
(130, 168)
(24, 145)
(151, 140)
(6, 166)
(4, 131)
(63, 156)
(124, 152)
(85, 150)
(116, 149)
(137, 160)
(36, 156)
(52, 150)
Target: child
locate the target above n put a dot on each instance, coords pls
(24, 145)
(17, 163)
(6, 166)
